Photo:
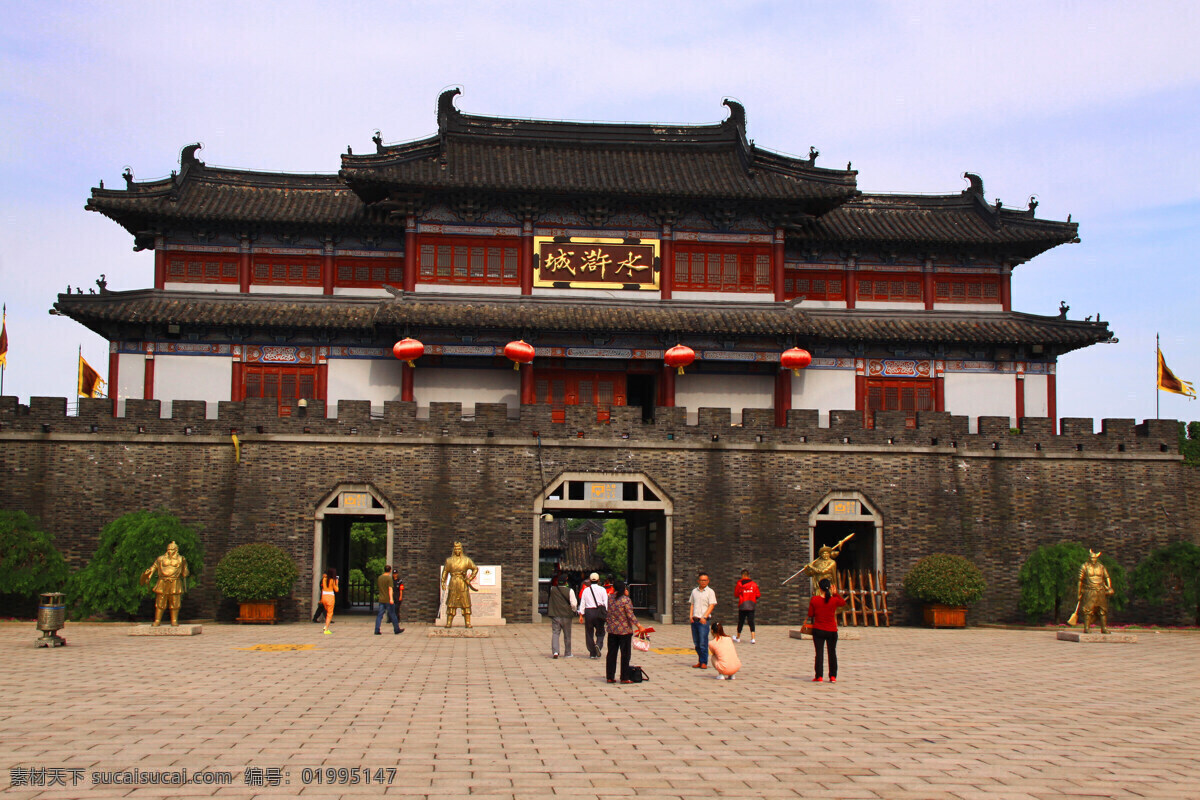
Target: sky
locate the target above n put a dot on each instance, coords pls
(1094, 107)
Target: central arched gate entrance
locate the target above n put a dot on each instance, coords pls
(645, 507)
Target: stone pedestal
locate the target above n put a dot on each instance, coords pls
(485, 603)
(166, 630)
(1102, 638)
(844, 634)
(459, 632)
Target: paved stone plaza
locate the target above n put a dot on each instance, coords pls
(922, 714)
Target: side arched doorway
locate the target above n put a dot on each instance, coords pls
(836, 516)
(346, 504)
(648, 513)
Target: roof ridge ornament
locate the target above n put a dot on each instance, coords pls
(187, 156)
(445, 108)
(737, 114)
(976, 186)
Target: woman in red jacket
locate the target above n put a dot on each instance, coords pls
(822, 612)
(746, 594)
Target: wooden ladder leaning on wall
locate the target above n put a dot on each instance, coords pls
(867, 598)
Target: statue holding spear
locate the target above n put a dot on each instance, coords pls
(823, 566)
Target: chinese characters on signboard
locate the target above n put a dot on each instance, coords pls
(589, 262)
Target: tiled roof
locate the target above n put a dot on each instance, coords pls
(203, 194)
(713, 162)
(933, 220)
(105, 313)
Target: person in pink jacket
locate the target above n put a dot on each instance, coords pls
(724, 655)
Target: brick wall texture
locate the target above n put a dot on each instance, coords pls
(741, 496)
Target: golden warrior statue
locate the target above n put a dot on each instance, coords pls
(1095, 587)
(458, 572)
(172, 571)
(823, 566)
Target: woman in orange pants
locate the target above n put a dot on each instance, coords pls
(329, 587)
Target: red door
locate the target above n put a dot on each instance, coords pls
(562, 388)
(893, 394)
(285, 384)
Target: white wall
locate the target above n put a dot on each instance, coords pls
(726, 297)
(202, 287)
(734, 392)
(361, 291)
(284, 289)
(825, 390)
(466, 386)
(981, 394)
(131, 379)
(208, 378)
(377, 380)
(968, 306)
(1037, 403)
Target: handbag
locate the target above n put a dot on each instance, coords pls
(641, 644)
(638, 675)
(601, 610)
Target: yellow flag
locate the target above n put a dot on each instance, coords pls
(4, 340)
(1169, 383)
(89, 380)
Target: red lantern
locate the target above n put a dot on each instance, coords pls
(679, 357)
(795, 359)
(408, 350)
(519, 353)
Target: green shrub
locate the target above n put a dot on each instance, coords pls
(945, 579)
(29, 561)
(1049, 579)
(255, 573)
(1170, 571)
(128, 546)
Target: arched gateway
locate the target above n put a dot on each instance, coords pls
(648, 513)
(839, 514)
(335, 512)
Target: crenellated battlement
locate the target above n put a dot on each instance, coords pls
(48, 415)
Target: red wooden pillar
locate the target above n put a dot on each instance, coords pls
(148, 382)
(668, 387)
(1020, 381)
(1006, 287)
(327, 269)
(939, 386)
(321, 390)
(929, 287)
(237, 392)
(851, 284)
(525, 258)
(783, 396)
(666, 261)
(411, 256)
(160, 268)
(1051, 400)
(114, 361)
(777, 265)
(244, 267)
(528, 391)
(406, 383)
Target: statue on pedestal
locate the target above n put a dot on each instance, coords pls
(1095, 587)
(824, 566)
(458, 572)
(172, 571)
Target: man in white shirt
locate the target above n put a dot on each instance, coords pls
(593, 611)
(702, 601)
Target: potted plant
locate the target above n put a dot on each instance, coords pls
(946, 584)
(255, 575)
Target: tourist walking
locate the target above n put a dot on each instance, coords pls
(329, 589)
(724, 655)
(593, 608)
(561, 607)
(702, 601)
(822, 612)
(387, 601)
(621, 625)
(746, 594)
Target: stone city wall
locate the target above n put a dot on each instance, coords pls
(741, 495)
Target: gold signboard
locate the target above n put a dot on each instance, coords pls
(595, 263)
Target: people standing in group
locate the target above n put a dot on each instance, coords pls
(621, 624)
(561, 607)
(822, 612)
(746, 594)
(329, 589)
(702, 601)
(387, 601)
(724, 655)
(593, 608)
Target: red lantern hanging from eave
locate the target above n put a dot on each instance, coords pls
(408, 350)
(679, 357)
(519, 353)
(795, 359)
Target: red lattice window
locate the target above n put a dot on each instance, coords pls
(899, 287)
(202, 268)
(369, 272)
(967, 289)
(562, 388)
(711, 268)
(488, 262)
(285, 383)
(894, 394)
(286, 270)
(813, 285)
